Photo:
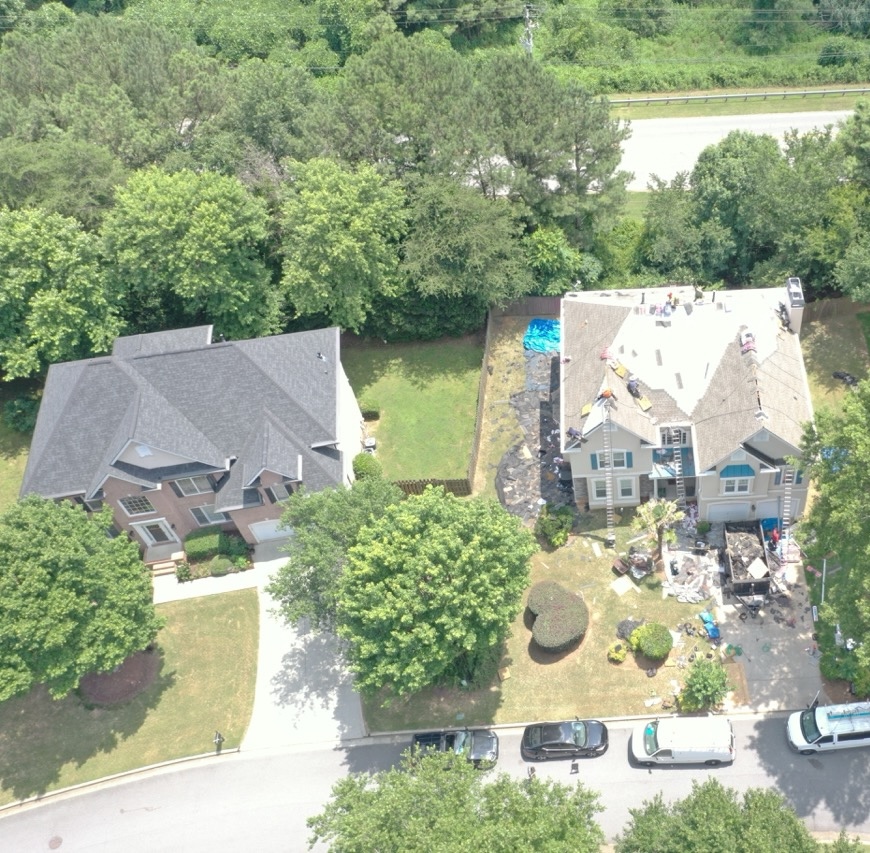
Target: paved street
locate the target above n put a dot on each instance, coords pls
(665, 146)
(259, 801)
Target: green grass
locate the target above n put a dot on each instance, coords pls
(206, 682)
(582, 682)
(837, 342)
(14, 449)
(427, 394)
(735, 106)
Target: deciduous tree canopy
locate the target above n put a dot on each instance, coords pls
(430, 589)
(716, 818)
(436, 801)
(186, 248)
(54, 305)
(72, 600)
(325, 525)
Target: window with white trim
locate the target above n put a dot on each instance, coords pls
(669, 439)
(737, 485)
(194, 486)
(206, 515)
(599, 489)
(137, 505)
(620, 459)
(625, 487)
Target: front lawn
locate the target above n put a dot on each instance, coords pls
(427, 396)
(582, 682)
(206, 683)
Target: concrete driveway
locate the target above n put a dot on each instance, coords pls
(772, 651)
(304, 693)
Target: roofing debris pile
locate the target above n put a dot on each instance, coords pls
(745, 552)
(529, 474)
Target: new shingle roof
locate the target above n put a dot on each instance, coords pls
(690, 365)
(263, 401)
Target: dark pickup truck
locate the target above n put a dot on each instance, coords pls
(479, 746)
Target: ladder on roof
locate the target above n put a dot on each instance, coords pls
(677, 443)
(608, 474)
(788, 478)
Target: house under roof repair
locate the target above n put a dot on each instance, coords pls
(690, 396)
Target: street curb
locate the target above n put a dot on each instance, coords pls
(742, 714)
(124, 774)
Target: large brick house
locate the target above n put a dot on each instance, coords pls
(175, 431)
(718, 379)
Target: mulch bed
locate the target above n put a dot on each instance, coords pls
(132, 677)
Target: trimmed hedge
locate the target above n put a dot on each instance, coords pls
(366, 465)
(202, 544)
(652, 640)
(561, 617)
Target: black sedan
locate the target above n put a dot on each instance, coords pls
(574, 739)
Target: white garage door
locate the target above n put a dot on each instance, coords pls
(728, 512)
(266, 531)
(767, 509)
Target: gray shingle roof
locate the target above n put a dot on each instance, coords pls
(264, 401)
(691, 368)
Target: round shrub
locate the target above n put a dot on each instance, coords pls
(554, 524)
(561, 617)
(220, 566)
(366, 465)
(617, 652)
(182, 572)
(652, 640)
(706, 685)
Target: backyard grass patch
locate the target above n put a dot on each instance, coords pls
(427, 397)
(837, 342)
(582, 681)
(14, 449)
(205, 683)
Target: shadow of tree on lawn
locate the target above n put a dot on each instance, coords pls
(40, 735)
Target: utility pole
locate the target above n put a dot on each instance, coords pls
(529, 24)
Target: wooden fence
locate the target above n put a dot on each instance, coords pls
(531, 306)
(826, 308)
(460, 488)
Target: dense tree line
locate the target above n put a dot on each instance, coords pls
(158, 186)
(435, 796)
(751, 213)
(401, 196)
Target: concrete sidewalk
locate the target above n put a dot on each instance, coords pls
(304, 694)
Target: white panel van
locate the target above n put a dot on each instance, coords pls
(828, 727)
(684, 740)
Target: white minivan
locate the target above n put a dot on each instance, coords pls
(684, 740)
(828, 727)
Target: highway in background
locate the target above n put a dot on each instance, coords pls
(665, 146)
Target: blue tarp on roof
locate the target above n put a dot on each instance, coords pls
(542, 335)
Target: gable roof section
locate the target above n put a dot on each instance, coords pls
(691, 368)
(269, 399)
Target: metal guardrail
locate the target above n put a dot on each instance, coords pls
(745, 96)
